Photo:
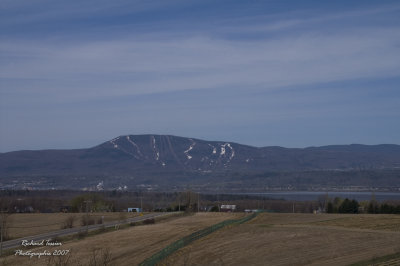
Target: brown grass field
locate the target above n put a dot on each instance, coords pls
(27, 224)
(269, 239)
(296, 239)
(128, 246)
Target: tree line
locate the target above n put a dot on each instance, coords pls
(115, 201)
(339, 205)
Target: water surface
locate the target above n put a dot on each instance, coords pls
(314, 195)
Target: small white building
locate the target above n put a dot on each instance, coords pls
(228, 208)
(250, 210)
(134, 210)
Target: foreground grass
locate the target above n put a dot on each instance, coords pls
(269, 239)
(391, 259)
(129, 246)
(28, 224)
(373, 222)
(84, 234)
(295, 239)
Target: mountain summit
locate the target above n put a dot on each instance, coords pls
(158, 158)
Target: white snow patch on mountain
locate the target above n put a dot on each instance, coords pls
(157, 154)
(113, 142)
(214, 149)
(232, 151)
(135, 145)
(189, 149)
(224, 151)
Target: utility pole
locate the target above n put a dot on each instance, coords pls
(293, 207)
(3, 216)
(1, 241)
(87, 215)
(179, 201)
(263, 203)
(219, 206)
(141, 204)
(198, 201)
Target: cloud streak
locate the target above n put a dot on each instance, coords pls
(85, 57)
(129, 66)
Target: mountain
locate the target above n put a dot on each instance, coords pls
(170, 161)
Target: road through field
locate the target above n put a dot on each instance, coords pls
(36, 238)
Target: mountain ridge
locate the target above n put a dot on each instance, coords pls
(253, 146)
(160, 159)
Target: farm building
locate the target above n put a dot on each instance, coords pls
(134, 210)
(228, 208)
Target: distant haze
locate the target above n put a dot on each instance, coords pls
(171, 162)
(288, 73)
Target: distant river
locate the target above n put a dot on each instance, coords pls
(312, 195)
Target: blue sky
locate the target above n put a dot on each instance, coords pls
(74, 74)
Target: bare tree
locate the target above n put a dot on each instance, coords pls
(60, 261)
(323, 201)
(101, 257)
(69, 222)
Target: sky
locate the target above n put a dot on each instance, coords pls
(76, 73)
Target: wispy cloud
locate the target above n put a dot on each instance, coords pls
(129, 66)
(58, 55)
